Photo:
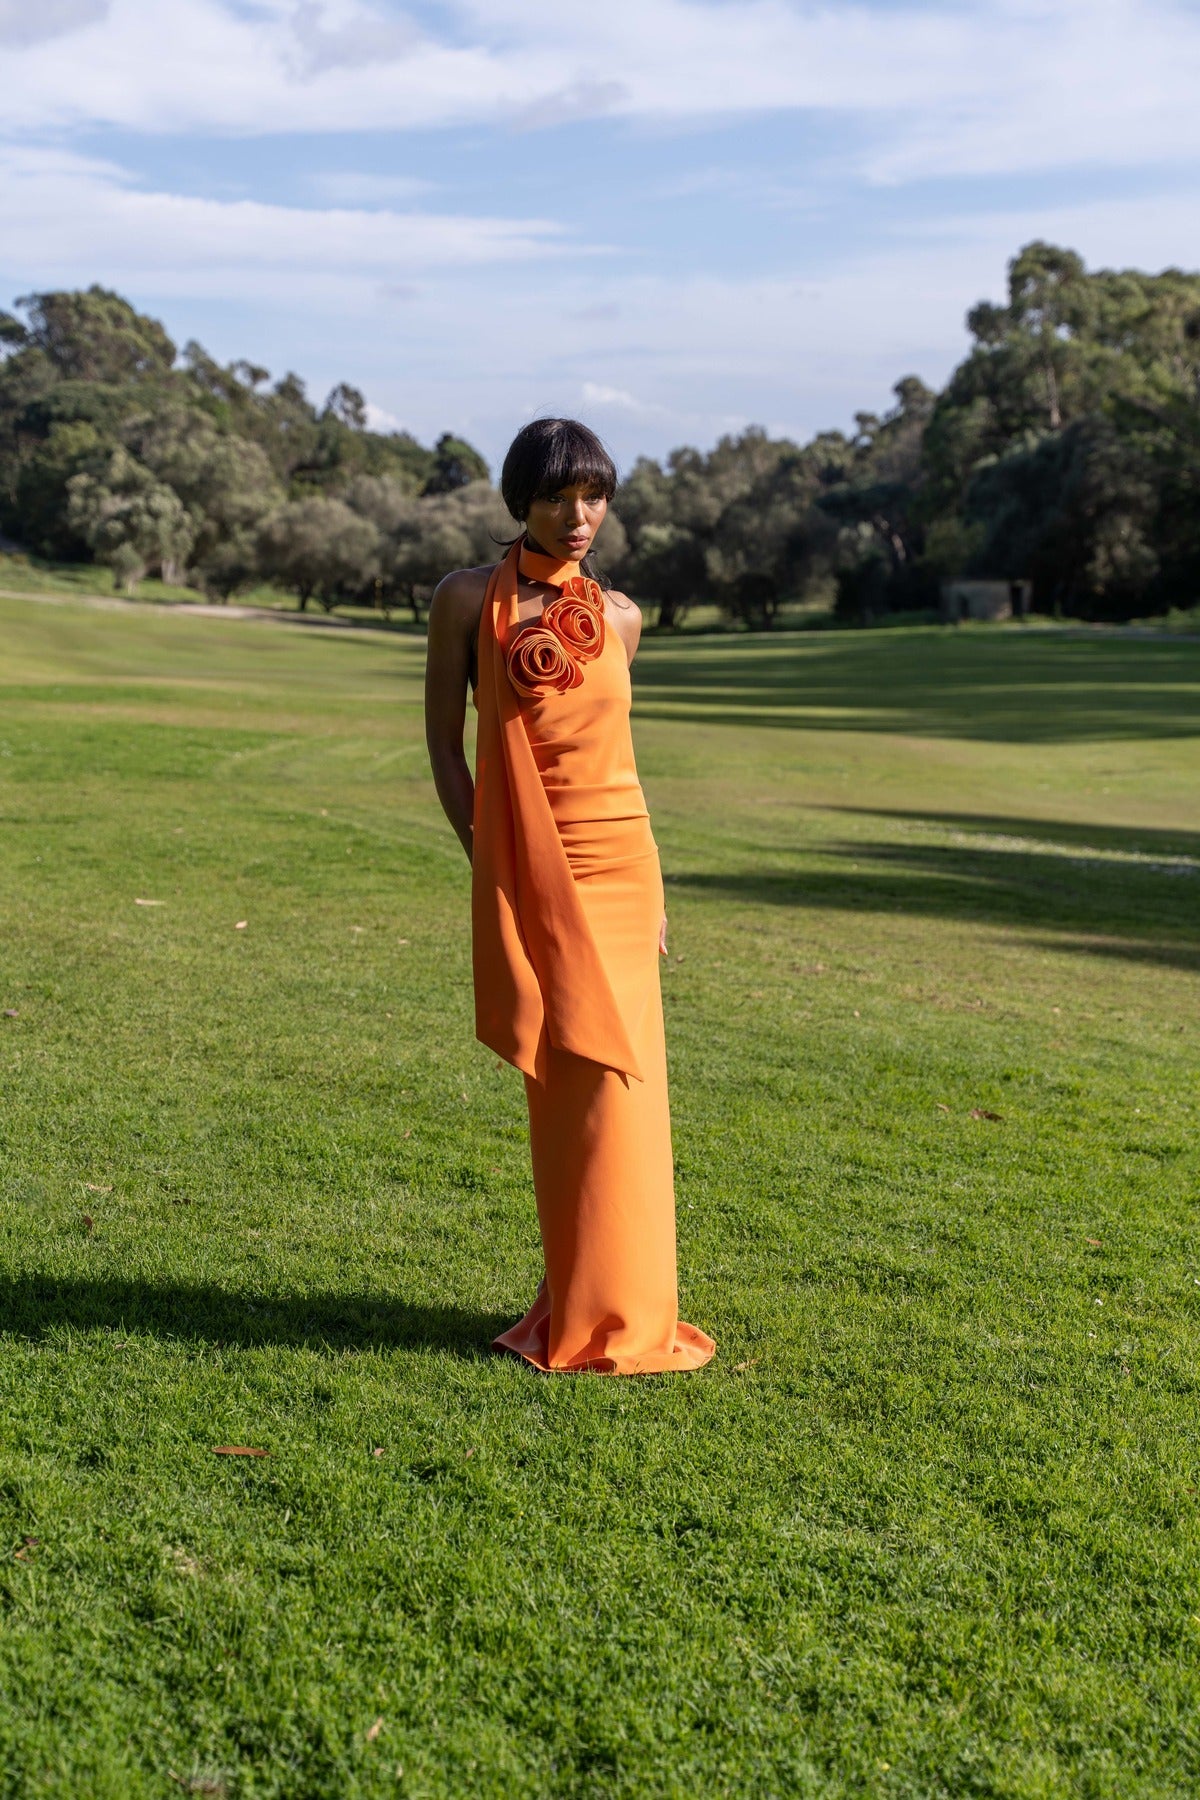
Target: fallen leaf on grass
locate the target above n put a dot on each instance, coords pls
(1097, 1242)
(749, 1364)
(89, 1224)
(98, 1187)
(241, 925)
(149, 903)
(374, 1730)
(941, 1106)
(408, 1133)
(237, 1450)
(10, 1012)
(199, 1784)
(470, 1453)
(981, 1112)
(378, 1450)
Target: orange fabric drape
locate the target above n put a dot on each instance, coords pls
(539, 979)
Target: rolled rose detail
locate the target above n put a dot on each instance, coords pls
(538, 659)
(579, 626)
(582, 587)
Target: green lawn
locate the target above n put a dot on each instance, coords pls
(928, 1526)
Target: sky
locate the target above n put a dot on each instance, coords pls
(672, 218)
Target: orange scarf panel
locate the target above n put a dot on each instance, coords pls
(539, 977)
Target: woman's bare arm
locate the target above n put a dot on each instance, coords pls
(453, 617)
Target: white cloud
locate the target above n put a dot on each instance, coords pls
(671, 358)
(407, 304)
(71, 218)
(618, 399)
(380, 419)
(347, 36)
(21, 23)
(1005, 85)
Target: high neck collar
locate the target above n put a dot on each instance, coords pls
(536, 567)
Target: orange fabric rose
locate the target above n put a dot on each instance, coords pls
(538, 659)
(579, 626)
(582, 587)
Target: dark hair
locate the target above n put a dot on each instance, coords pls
(549, 454)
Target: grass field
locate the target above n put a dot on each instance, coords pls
(928, 1526)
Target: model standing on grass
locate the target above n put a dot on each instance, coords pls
(566, 906)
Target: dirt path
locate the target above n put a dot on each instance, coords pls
(200, 609)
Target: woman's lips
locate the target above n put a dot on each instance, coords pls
(576, 543)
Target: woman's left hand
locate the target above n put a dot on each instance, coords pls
(662, 936)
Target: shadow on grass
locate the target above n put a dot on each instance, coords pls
(36, 1306)
(1118, 893)
(1001, 687)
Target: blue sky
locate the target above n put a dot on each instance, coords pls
(668, 217)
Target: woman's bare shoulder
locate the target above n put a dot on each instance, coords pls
(623, 601)
(462, 591)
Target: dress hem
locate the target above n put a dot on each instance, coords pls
(685, 1357)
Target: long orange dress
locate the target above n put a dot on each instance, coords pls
(566, 901)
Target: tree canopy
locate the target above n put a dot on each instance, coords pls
(1064, 448)
(115, 446)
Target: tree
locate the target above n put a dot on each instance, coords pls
(348, 406)
(230, 566)
(1047, 303)
(317, 546)
(460, 529)
(96, 336)
(40, 509)
(455, 465)
(86, 376)
(226, 481)
(1075, 513)
(131, 521)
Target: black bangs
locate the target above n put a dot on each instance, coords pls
(549, 454)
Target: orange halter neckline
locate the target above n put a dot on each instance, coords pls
(536, 567)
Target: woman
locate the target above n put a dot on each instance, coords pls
(566, 906)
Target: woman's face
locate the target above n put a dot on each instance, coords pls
(564, 524)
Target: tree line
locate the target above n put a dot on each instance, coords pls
(1064, 449)
(115, 448)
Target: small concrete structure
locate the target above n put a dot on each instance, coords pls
(985, 600)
